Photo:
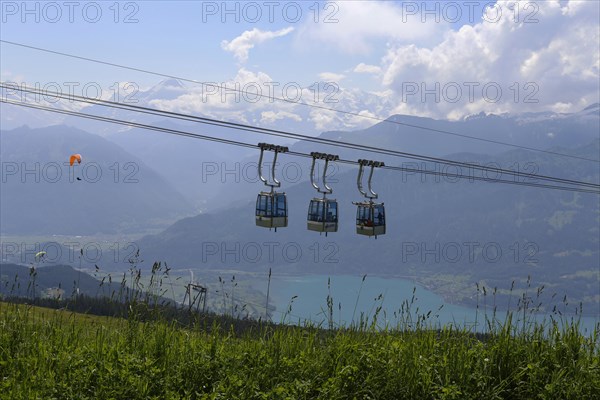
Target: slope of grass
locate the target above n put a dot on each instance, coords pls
(51, 354)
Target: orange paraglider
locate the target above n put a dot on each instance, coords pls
(75, 157)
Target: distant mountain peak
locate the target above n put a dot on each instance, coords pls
(171, 83)
(483, 114)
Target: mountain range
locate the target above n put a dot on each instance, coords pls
(181, 161)
(445, 233)
(111, 191)
(441, 232)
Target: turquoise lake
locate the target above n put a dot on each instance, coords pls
(312, 292)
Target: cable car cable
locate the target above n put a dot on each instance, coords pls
(248, 145)
(279, 133)
(350, 113)
(272, 132)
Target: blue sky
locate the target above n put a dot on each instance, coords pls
(372, 47)
(178, 37)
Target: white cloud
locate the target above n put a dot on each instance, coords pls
(8, 76)
(554, 61)
(241, 45)
(233, 98)
(323, 119)
(271, 116)
(361, 25)
(550, 64)
(331, 77)
(363, 68)
(561, 107)
(232, 105)
(361, 110)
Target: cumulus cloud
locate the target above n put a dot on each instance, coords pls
(495, 67)
(323, 119)
(247, 92)
(363, 68)
(237, 100)
(360, 25)
(361, 110)
(505, 65)
(331, 77)
(428, 69)
(515, 56)
(9, 76)
(271, 116)
(241, 45)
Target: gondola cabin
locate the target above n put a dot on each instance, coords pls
(271, 210)
(323, 215)
(370, 219)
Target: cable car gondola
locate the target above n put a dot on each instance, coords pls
(322, 212)
(271, 210)
(271, 207)
(370, 216)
